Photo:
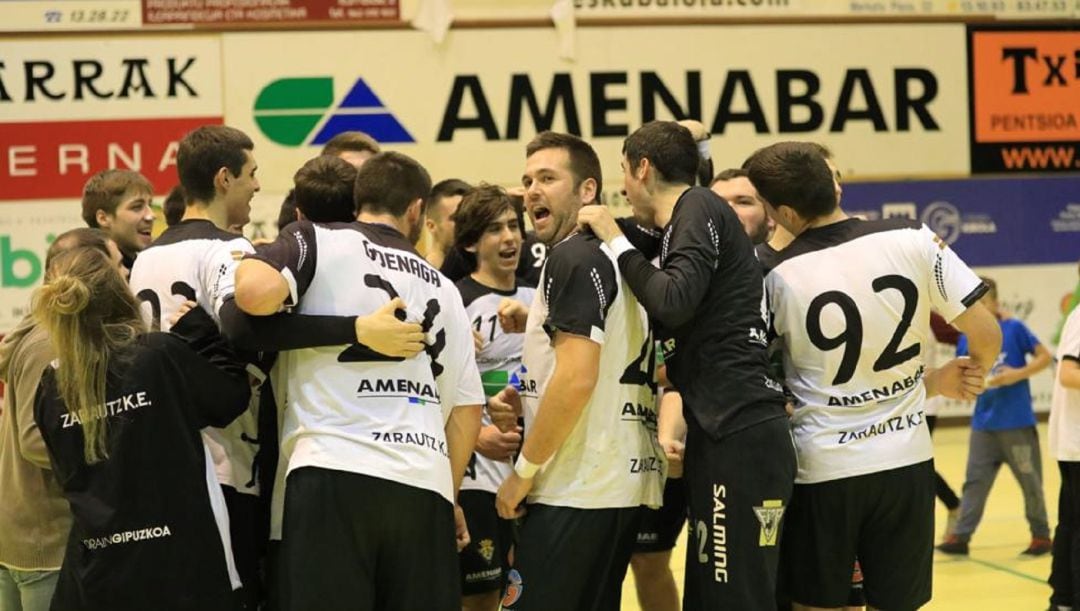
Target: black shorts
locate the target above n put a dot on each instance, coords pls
(885, 519)
(660, 528)
(738, 489)
(354, 542)
(484, 561)
(569, 558)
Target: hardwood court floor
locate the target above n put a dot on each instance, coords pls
(995, 577)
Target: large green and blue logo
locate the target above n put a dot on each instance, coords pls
(289, 110)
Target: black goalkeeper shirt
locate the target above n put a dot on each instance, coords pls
(707, 297)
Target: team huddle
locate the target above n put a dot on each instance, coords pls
(332, 421)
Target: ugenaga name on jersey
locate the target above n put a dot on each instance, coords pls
(195, 260)
(850, 303)
(499, 362)
(612, 457)
(352, 409)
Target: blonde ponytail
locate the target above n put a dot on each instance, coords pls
(90, 315)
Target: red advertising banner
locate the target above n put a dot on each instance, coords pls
(221, 12)
(43, 160)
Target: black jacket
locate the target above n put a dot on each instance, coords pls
(145, 534)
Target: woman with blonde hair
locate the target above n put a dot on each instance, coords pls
(34, 518)
(120, 411)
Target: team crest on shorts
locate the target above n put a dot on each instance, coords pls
(769, 514)
(514, 588)
(237, 254)
(487, 549)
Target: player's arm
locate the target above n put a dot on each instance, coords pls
(983, 334)
(1069, 372)
(671, 431)
(577, 368)
(261, 290)
(670, 295)
(581, 286)
(645, 240)
(1069, 346)
(964, 377)
(216, 378)
(462, 429)
(459, 384)
(381, 330)
(277, 275)
(954, 291)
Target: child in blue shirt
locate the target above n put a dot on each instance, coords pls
(1003, 431)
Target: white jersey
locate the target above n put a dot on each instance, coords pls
(499, 361)
(1065, 404)
(349, 408)
(195, 260)
(612, 457)
(851, 304)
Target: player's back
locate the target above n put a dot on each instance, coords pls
(192, 260)
(355, 410)
(850, 303)
(195, 260)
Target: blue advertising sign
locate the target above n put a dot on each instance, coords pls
(987, 221)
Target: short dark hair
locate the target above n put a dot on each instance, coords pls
(584, 163)
(81, 237)
(287, 212)
(478, 209)
(206, 150)
(389, 182)
(821, 148)
(350, 141)
(704, 171)
(105, 190)
(793, 174)
(991, 285)
(324, 190)
(729, 174)
(450, 187)
(174, 205)
(669, 147)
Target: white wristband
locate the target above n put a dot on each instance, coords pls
(524, 468)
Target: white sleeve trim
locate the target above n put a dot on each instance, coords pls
(287, 274)
(620, 245)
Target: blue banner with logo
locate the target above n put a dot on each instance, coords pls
(988, 221)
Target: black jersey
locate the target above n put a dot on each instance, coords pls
(150, 530)
(707, 296)
(767, 255)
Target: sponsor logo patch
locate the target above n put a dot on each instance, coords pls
(769, 514)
